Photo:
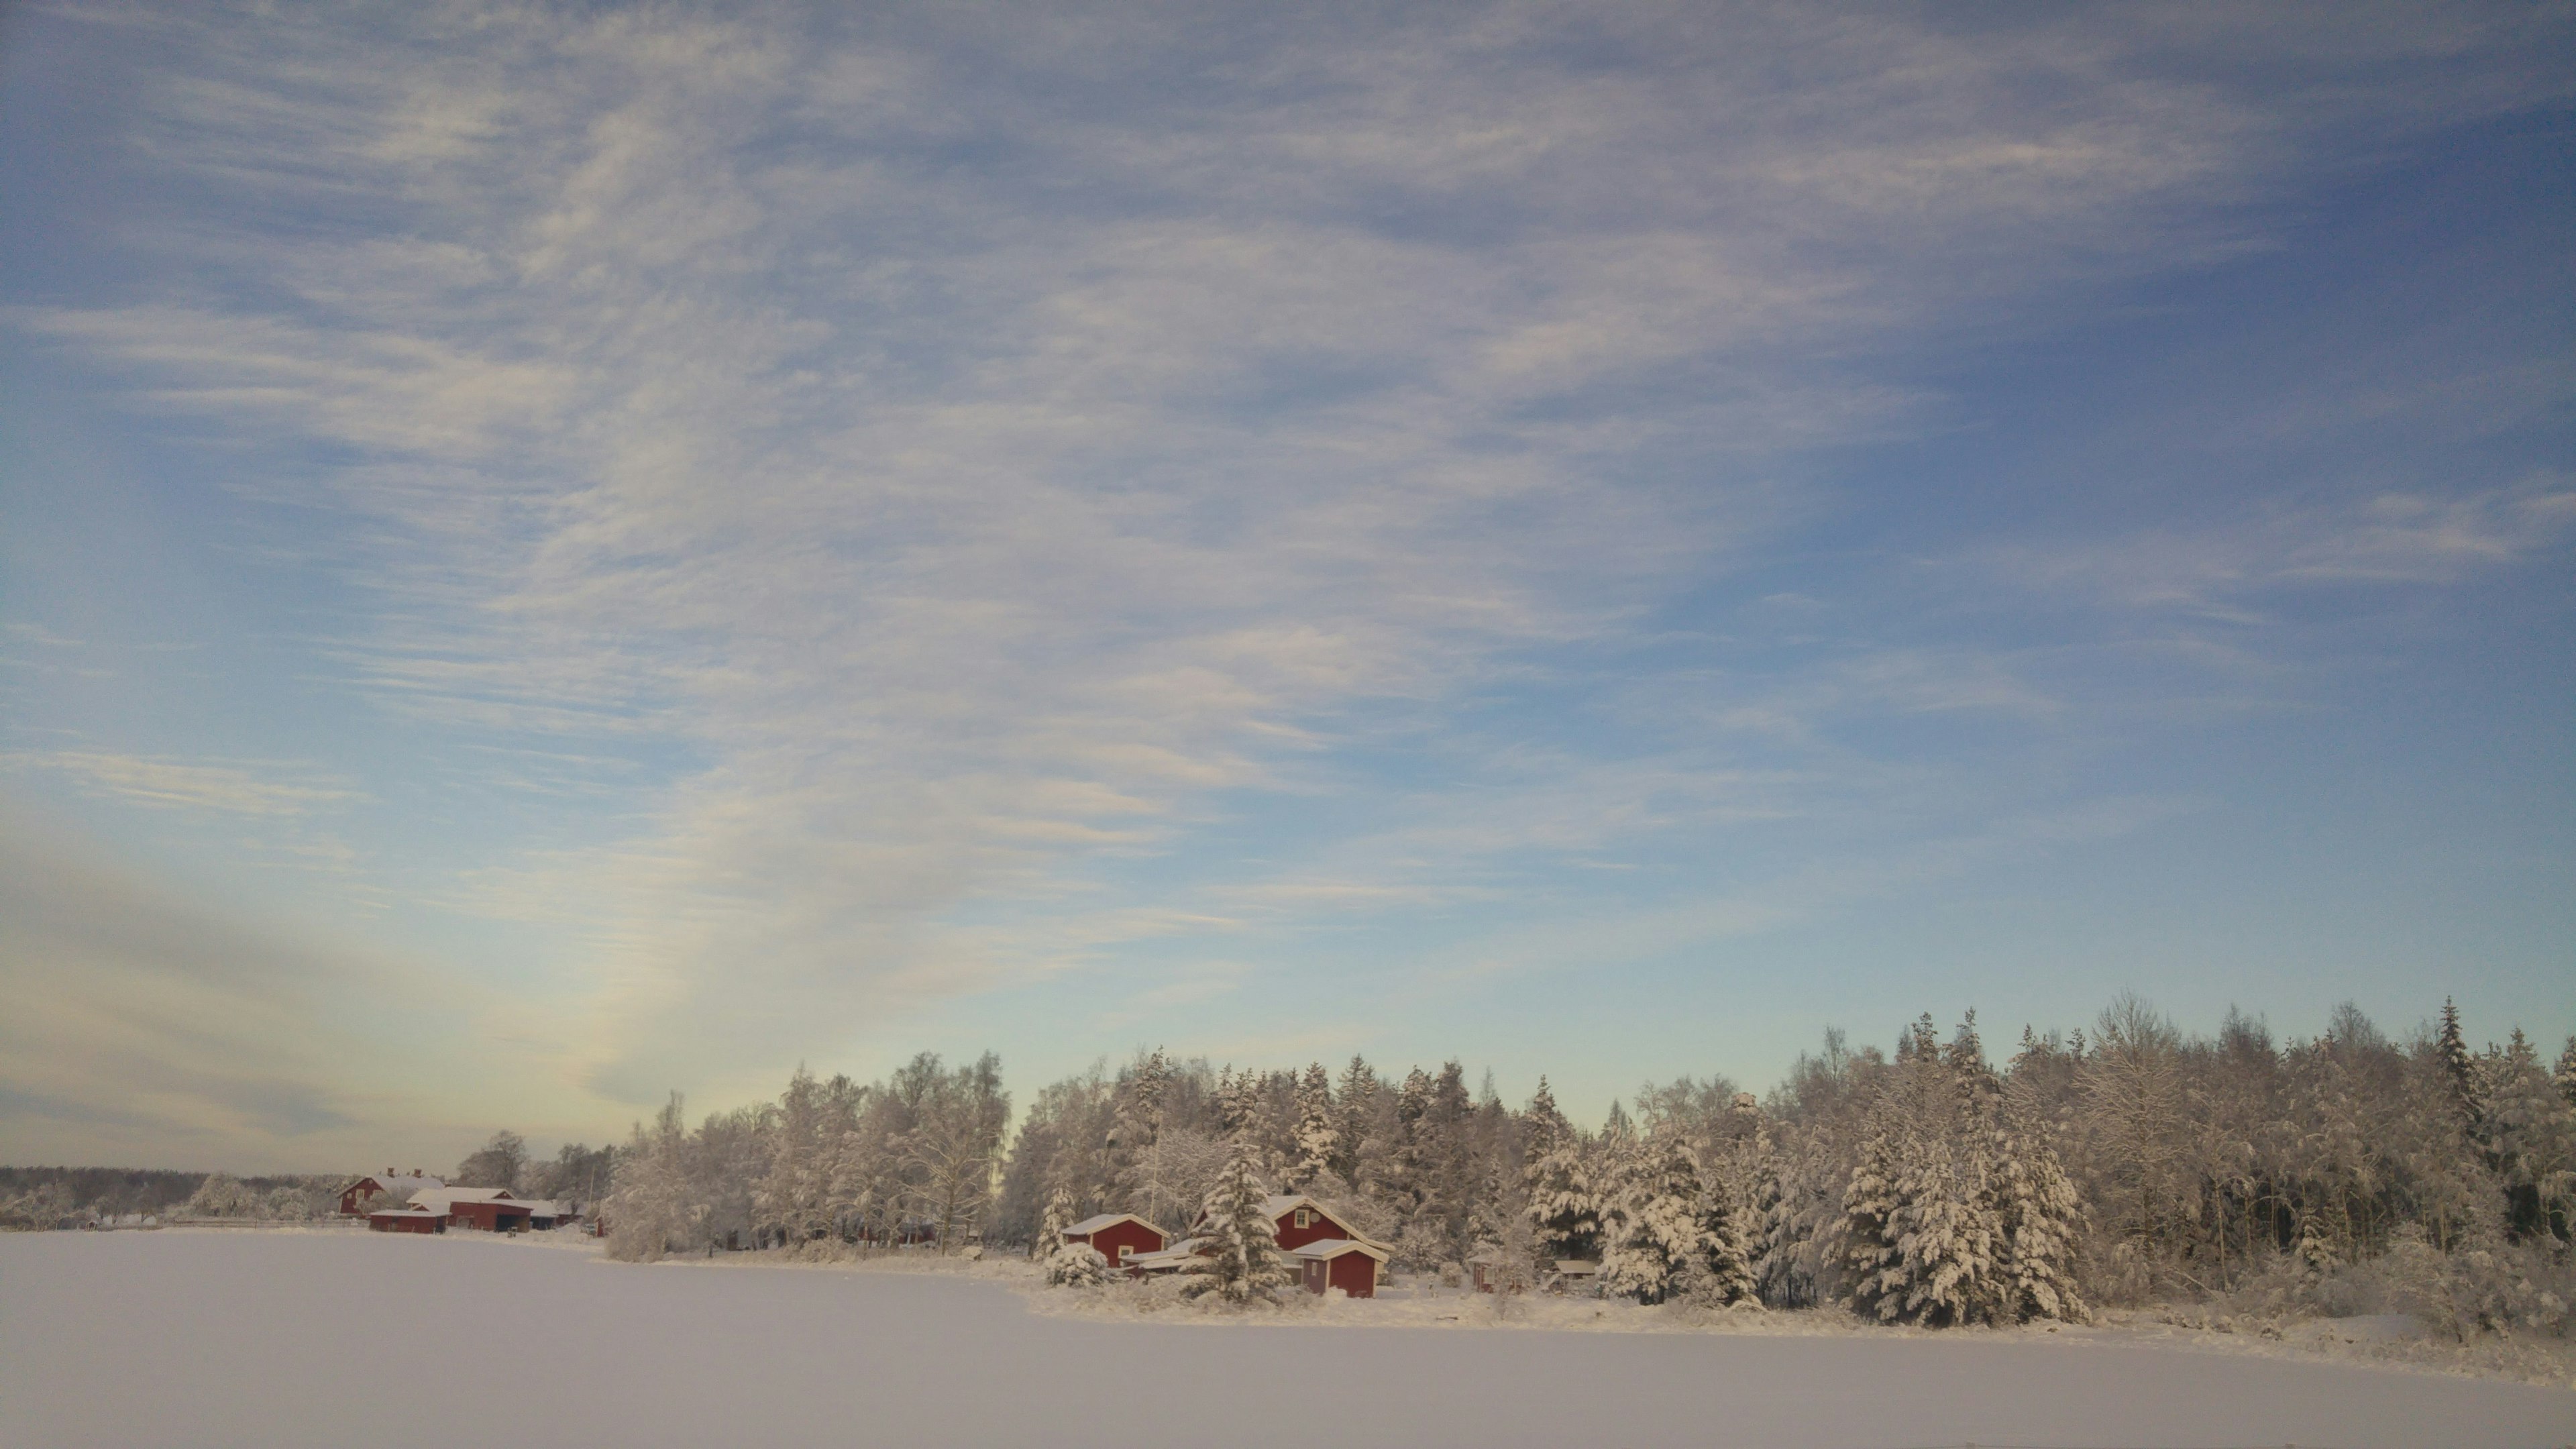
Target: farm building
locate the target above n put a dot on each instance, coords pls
(383, 1189)
(406, 1220)
(1118, 1236)
(489, 1209)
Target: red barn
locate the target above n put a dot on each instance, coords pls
(491, 1209)
(1343, 1263)
(406, 1220)
(491, 1217)
(1117, 1236)
(384, 1189)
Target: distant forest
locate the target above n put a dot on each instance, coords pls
(2126, 1164)
(1930, 1184)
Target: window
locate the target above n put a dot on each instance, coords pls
(1305, 1217)
(1123, 1250)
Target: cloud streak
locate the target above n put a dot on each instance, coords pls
(983, 454)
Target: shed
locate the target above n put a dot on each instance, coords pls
(1574, 1275)
(1118, 1236)
(1345, 1263)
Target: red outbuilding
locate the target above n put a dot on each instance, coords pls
(1343, 1263)
(406, 1220)
(1117, 1236)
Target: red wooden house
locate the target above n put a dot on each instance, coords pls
(1324, 1251)
(383, 1190)
(1118, 1236)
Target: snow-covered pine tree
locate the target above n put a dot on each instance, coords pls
(1051, 1226)
(1868, 1231)
(1355, 1111)
(1502, 1227)
(2040, 1217)
(1653, 1233)
(1238, 1260)
(1946, 1243)
(1564, 1205)
(2532, 1137)
(1726, 1271)
(1135, 1124)
(2567, 1072)
(1318, 1143)
(2459, 1070)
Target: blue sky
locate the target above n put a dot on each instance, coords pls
(552, 553)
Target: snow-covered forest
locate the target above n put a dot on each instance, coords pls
(1938, 1183)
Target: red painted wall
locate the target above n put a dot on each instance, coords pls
(1355, 1274)
(489, 1216)
(1134, 1236)
(1292, 1236)
(413, 1223)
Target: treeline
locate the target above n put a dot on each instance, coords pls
(55, 1197)
(1934, 1184)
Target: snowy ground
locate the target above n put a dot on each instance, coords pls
(282, 1339)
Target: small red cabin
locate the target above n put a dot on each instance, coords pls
(1118, 1236)
(1339, 1263)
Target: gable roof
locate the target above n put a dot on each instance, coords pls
(399, 1185)
(1330, 1248)
(1097, 1221)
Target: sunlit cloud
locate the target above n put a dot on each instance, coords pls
(898, 482)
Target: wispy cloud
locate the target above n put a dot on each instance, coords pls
(187, 785)
(982, 450)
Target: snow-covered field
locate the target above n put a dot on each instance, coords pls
(281, 1339)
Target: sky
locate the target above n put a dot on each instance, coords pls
(555, 553)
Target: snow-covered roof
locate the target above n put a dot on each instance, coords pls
(410, 1210)
(451, 1197)
(1577, 1265)
(1097, 1221)
(1175, 1256)
(399, 1187)
(1328, 1248)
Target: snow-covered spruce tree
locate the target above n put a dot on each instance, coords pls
(2531, 1134)
(1946, 1244)
(1653, 1234)
(1867, 1233)
(2041, 1220)
(1076, 1265)
(2459, 1069)
(1238, 1259)
(1051, 1225)
(1318, 1143)
(2567, 1072)
(1564, 1205)
(1726, 1271)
